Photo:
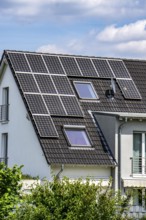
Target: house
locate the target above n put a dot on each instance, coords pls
(75, 116)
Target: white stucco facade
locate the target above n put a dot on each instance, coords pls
(23, 145)
(73, 172)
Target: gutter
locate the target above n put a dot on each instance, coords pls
(60, 171)
(119, 152)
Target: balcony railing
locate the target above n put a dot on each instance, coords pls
(4, 160)
(139, 165)
(4, 113)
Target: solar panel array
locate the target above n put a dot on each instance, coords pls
(129, 89)
(47, 90)
(45, 126)
(119, 69)
(46, 94)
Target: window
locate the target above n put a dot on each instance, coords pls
(139, 153)
(5, 104)
(85, 90)
(139, 197)
(77, 136)
(4, 148)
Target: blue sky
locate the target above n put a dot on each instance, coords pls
(114, 28)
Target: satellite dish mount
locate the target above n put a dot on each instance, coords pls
(110, 93)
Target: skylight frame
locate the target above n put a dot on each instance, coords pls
(77, 128)
(92, 87)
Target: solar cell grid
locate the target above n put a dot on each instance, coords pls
(70, 66)
(129, 89)
(102, 68)
(86, 67)
(53, 64)
(45, 126)
(119, 69)
(54, 105)
(63, 85)
(19, 62)
(27, 82)
(36, 104)
(45, 84)
(36, 63)
(72, 106)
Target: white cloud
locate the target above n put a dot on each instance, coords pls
(127, 41)
(51, 48)
(135, 47)
(133, 31)
(75, 8)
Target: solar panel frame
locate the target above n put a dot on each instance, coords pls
(36, 63)
(19, 62)
(119, 69)
(72, 106)
(70, 66)
(45, 84)
(129, 89)
(63, 85)
(27, 82)
(36, 104)
(86, 67)
(45, 126)
(54, 105)
(53, 64)
(103, 68)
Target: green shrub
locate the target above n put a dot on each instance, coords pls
(65, 200)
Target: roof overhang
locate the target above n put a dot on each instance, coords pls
(135, 183)
(124, 115)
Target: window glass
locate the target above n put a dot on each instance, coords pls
(137, 153)
(137, 147)
(137, 197)
(77, 137)
(85, 90)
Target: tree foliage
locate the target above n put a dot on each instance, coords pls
(66, 200)
(9, 189)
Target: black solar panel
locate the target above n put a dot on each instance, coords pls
(45, 126)
(129, 89)
(53, 64)
(19, 62)
(27, 82)
(72, 106)
(54, 105)
(45, 84)
(119, 69)
(70, 66)
(103, 68)
(63, 85)
(86, 67)
(36, 104)
(36, 63)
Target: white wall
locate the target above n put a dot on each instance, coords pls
(80, 171)
(23, 145)
(127, 145)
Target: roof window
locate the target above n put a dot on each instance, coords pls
(85, 90)
(77, 136)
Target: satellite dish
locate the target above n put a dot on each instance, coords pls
(110, 93)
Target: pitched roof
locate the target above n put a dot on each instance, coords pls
(46, 85)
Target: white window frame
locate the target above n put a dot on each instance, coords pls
(77, 128)
(143, 157)
(4, 147)
(5, 105)
(85, 82)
